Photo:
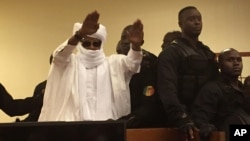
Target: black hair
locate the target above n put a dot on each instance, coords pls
(173, 34)
(127, 27)
(223, 52)
(184, 10)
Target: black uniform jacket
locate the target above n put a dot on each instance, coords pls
(219, 101)
(16, 107)
(182, 70)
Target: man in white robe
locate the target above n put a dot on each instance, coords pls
(87, 85)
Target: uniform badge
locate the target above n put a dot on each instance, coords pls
(149, 91)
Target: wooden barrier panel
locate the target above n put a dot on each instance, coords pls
(218, 136)
(152, 134)
(166, 134)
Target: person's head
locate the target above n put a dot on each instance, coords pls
(94, 41)
(90, 50)
(230, 63)
(190, 21)
(169, 37)
(123, 44)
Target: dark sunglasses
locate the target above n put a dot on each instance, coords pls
(94, 43)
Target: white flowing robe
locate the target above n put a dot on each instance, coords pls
(66, 100)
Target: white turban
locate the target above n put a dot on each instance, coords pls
(92, 58)
(101, 33)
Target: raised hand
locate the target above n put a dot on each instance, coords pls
(135, 35)
(90, 24)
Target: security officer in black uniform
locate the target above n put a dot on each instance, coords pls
(146, 108)
(223, 102)
(183, 68)
(38, 93)
(17, 107)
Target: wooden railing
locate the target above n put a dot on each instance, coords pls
(166, 134)
(243, 54)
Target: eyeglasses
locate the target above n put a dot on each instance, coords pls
(94, 43)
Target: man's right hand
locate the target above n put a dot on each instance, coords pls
(90, 25)
(187, 126)
(135, 35)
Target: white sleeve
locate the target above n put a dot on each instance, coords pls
(62, 53)
(133, 60)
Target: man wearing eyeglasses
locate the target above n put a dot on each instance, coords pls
(88, 86)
